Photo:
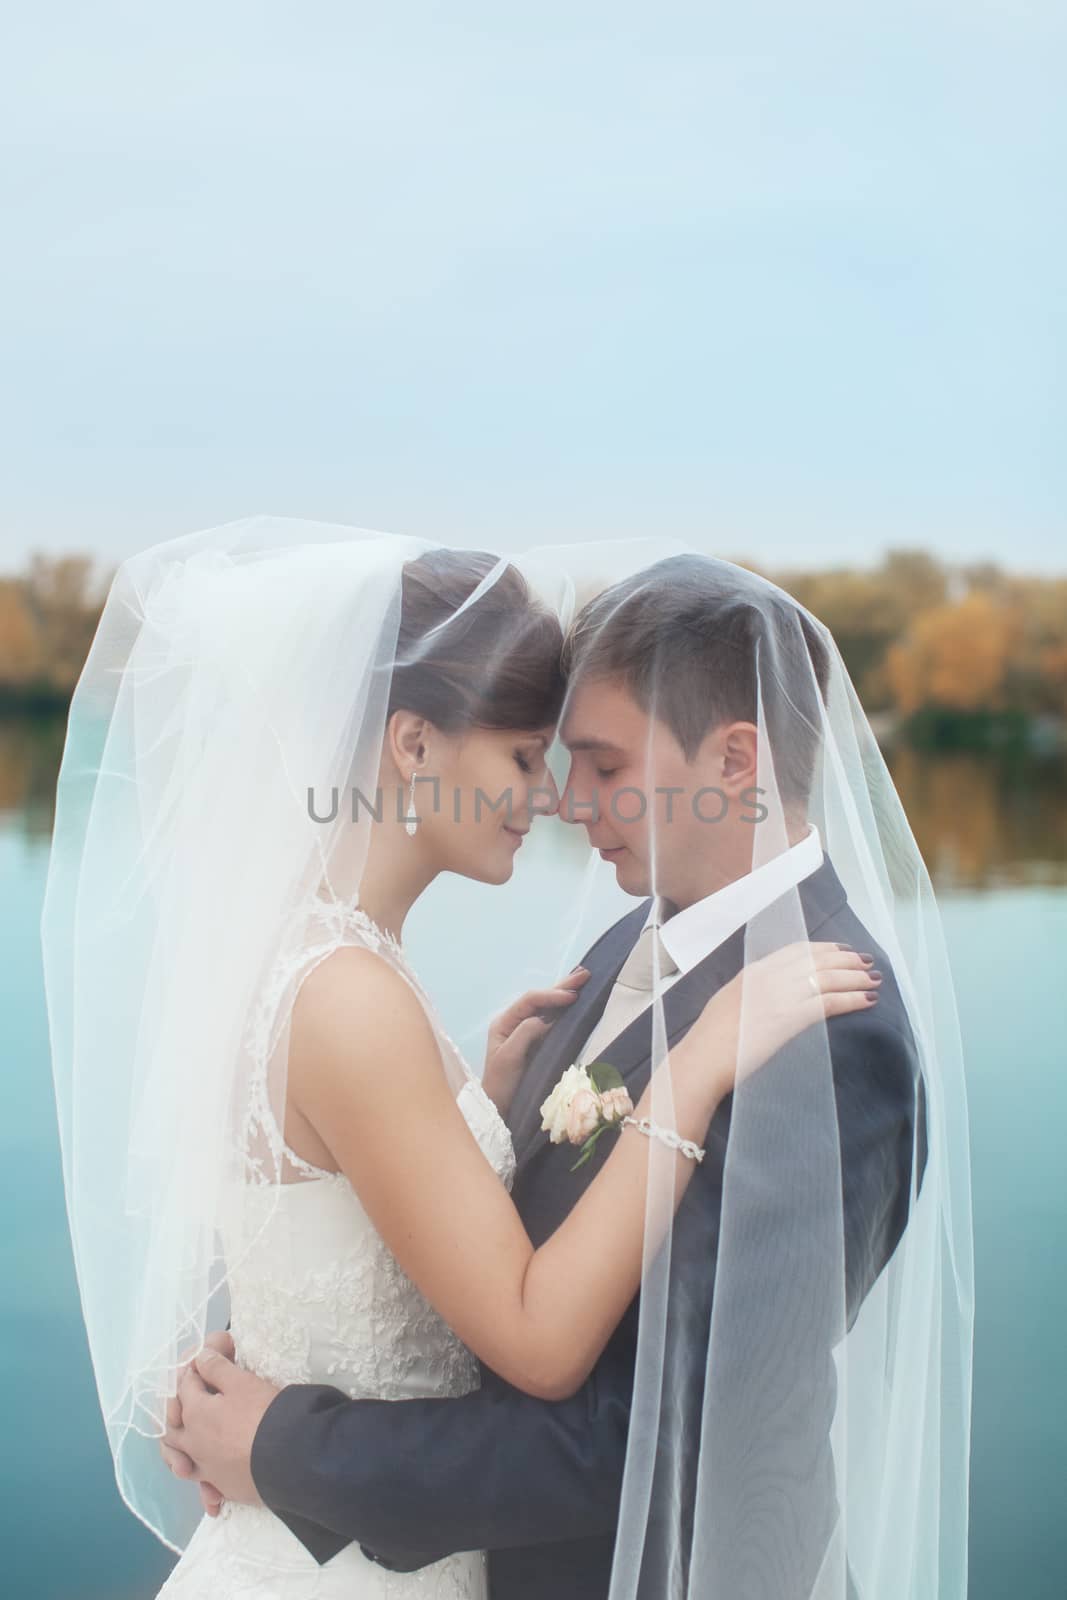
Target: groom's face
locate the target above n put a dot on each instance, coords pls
(645, 807)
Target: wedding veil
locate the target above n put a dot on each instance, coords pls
(232, 704)
(801, 1407)
(801, 1413)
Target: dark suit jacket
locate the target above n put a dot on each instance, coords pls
(537, 1483)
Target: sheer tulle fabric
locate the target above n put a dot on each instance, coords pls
(804, 1430)
(796, 1430)
(233, 672)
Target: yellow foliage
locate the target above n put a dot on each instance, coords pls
(20, 655)
(1054, 672)
(955, 655)
(912, 632)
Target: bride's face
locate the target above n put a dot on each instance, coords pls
(492, 783)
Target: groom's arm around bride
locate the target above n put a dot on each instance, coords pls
(538, 1483)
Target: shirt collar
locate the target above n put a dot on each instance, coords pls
(691, 935)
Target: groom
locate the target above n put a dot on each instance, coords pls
(538, 1483)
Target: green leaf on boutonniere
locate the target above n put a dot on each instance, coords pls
(605, 1076)
(587, 1147)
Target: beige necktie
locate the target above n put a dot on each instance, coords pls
(630, 995)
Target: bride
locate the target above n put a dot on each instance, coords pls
(276, 748)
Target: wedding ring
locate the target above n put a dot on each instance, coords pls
(812, 985)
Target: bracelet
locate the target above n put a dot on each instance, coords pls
(666, 1136)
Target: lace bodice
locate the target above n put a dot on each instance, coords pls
(316, 1297)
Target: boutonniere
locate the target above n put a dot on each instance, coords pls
(585, 1103)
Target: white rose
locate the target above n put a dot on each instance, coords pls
(555, 1109)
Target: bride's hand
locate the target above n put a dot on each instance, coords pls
(515, 1031)
(178, 1462)
(782, 994)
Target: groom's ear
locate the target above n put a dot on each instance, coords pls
(737, 754)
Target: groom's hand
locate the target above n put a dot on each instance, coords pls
(221, 1408)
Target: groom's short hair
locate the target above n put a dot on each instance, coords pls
(698, 643)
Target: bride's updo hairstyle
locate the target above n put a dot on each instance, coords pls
(495, 663)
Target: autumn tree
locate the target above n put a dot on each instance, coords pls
(20, 654)
(65, 601)
(866, 611)
(955, 656)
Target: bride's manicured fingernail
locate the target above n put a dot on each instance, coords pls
(866, 958)
(871, 999)
(875, 976)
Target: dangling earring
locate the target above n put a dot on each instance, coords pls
(411, 820)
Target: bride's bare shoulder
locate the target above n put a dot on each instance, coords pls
(351, 1006)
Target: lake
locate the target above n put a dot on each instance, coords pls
(995, 839)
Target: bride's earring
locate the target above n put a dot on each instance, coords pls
(411, 820)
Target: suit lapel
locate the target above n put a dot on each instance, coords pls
(821, 895)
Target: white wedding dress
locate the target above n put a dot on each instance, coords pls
(316, 1297)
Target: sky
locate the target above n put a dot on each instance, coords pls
(784, 281)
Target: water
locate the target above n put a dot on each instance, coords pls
(997, 842)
